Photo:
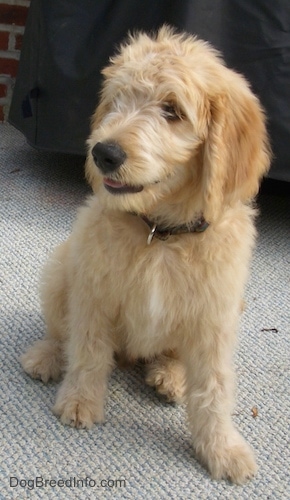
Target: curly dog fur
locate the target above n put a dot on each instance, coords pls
(177, 138)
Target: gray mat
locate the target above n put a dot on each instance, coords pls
(145, 441)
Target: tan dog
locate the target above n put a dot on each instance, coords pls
(158, 258)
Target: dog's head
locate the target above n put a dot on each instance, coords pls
(176, 132)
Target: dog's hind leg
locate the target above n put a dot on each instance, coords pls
(44, 359)
(166, 373)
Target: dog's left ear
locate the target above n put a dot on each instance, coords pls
(236, 150)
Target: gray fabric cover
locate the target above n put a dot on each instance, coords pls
(67, 42)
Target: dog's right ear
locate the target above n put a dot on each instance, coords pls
(91, 172)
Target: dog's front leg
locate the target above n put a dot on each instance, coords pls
(210, 397)
(80, 399)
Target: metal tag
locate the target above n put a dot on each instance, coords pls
(151, 234)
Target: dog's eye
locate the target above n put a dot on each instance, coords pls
(171, 112)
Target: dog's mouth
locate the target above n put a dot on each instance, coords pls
(115, 187)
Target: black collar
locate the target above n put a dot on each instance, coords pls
(162, 233)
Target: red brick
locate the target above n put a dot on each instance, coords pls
(4, 40)
(8, 66)
(2, 117)
(3, 90)
(18, 42)
(13, 14)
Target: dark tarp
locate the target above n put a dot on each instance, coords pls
(67, 42)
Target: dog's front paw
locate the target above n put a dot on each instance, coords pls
(234, 460)
(76, 410)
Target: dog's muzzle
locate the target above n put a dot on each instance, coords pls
(108, 156)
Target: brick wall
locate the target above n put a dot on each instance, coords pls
(13, 14)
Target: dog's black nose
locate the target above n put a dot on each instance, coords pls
(108, 156)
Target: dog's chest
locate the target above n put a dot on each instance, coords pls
(152, 294)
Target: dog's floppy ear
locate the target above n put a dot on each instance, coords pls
(92, 176)
(236, 150)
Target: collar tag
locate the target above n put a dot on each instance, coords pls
(151, 234)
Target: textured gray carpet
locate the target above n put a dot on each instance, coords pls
(144, 440)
